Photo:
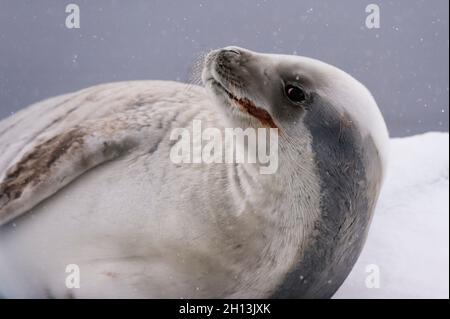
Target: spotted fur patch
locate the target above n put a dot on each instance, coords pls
(36, 165)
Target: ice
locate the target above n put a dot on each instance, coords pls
(409, 237)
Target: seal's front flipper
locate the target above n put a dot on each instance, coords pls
(54, 163)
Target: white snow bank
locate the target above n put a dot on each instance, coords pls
(409, 236)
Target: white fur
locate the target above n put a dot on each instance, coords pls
(141, 226)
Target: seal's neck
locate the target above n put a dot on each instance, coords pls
(293, 187)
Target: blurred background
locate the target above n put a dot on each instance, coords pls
(404, 63)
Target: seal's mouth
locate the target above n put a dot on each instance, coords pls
(247, 106)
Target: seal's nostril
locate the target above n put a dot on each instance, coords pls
(234, 51)
(228, 56)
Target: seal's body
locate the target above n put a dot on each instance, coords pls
(87, 179)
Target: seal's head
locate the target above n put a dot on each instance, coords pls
(290, 92)
(333, 143)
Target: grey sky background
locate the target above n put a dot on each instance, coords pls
(404, 63)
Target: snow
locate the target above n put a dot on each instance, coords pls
(408, 240)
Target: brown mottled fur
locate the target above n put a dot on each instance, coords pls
(35, 165)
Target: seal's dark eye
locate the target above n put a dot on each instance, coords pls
(294, 93)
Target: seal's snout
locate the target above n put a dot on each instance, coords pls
(231, 53)
(226, 63)
(228, 76)
(224, 66)
(230, 57)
